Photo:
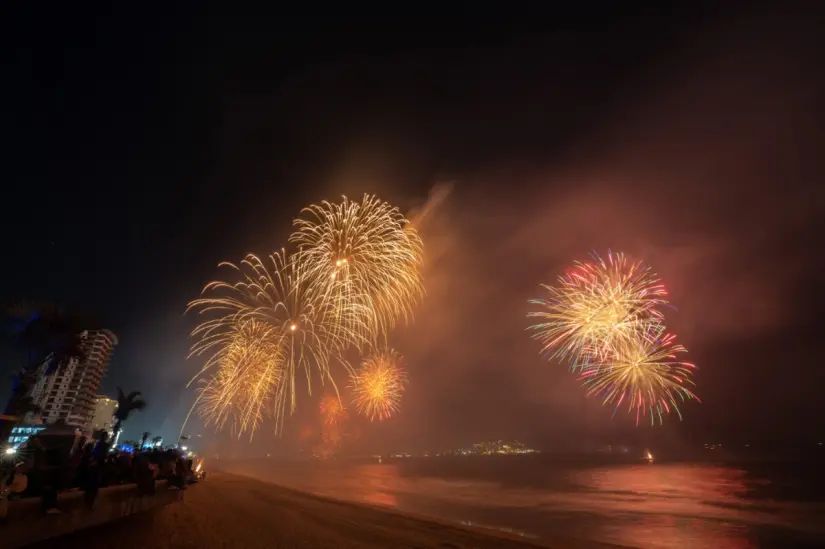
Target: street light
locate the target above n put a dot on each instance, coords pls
(11, 451)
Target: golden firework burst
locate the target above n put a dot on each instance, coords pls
(295, 325)
(643, 373)
(595, 304)
(378, 384)
(364, 259)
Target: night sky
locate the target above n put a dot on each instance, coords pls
(139, 152)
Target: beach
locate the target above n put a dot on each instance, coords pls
(228, 511)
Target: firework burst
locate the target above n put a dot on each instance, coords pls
(644, 373)
(604, 317)
(378, 384)
(247, 373)
(354, 276)
(364, 260)
(332, 410)
(595, 306)
(294, 325)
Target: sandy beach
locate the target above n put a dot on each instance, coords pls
(231, 511)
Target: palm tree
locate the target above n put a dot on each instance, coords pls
(144, 438)
(157, 441)
(50, 338)
(126, 404)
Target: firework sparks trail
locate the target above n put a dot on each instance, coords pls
(364, 259)
(248, 372)
(642, 372)
(595, 306)
(295, 327)
(378, 385)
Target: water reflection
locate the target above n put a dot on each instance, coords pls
(378, 488)
(674, 507)
(649, 506)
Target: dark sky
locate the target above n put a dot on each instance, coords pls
(139, 152)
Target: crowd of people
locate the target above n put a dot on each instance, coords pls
(47, 469)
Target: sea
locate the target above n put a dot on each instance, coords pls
(578, 501)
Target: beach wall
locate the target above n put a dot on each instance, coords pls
(24, 522)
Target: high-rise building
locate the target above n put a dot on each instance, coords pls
(103, 418)
(70, 393)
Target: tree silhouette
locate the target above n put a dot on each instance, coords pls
(126, 404)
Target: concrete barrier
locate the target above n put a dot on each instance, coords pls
(25, 523)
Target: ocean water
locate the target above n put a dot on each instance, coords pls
(733, 505)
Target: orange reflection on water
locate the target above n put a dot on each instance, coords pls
(657, 506)
(376, 489)
(673, 506)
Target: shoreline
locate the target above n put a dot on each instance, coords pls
(233, 511)
(493, 534)
(529, 540)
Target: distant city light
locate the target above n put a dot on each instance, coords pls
(486, 449)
